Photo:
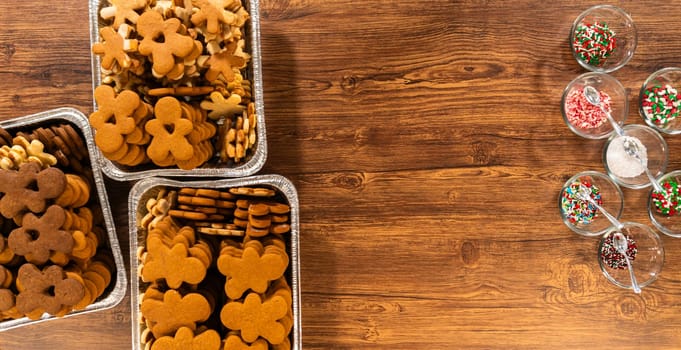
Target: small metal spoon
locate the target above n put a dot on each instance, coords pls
(621, 244)
(594, 97)
(584, 194)
(631, 148)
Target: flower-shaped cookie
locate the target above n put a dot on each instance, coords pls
(185, 339)
(115, 47)
(221, 107)
(172, 264)
(223, 63)
(38, 237)
(256, 318)
(174, 311)
(253, 269)
(234, 342)
(123, 10)
(162, 41)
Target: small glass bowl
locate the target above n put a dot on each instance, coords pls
(576, 109)
(662, 212)
(659, 101)
(583, 218)
(626, 170)
(612, 48)
(646, 249)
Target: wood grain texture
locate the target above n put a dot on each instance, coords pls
(427, 146)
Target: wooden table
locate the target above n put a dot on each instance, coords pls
(428, 149)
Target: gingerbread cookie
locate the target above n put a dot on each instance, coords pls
(48, 291)
(29, 188)
(169, 131)
(163, 42)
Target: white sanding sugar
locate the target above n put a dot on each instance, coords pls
(622, 164)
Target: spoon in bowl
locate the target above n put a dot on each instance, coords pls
(622, 245)
(584, 194)
(632, 149)
(594, 97)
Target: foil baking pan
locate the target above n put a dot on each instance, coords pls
(253, 162)
(116, 290)
(149, 188)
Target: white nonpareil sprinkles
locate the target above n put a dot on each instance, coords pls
(622, 164)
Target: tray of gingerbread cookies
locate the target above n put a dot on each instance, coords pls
(215, 264)
(177, 88)
(59, 253)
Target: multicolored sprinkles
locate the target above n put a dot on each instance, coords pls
(667, 202)
(612, 258)
(661, 104)
(576, 210)
(594, 42)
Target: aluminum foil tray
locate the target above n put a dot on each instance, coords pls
(116, 290)
(253, 162)
(148, 188)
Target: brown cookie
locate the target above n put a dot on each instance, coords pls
(38, 237)
(48, 290)
(29, 188)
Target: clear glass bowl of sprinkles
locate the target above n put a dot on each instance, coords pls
(583, 217)
(644, 249)
(628, 171)
(588, 120)
(660, 102)
(603, 38)
(664, 209)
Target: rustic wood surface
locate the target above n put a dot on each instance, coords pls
(427, 146)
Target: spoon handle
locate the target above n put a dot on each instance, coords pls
(634, 282)
(618, 129)
(607, 215)
(653, 180)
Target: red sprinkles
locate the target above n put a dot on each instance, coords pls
(583, 114)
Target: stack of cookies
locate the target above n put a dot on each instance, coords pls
(205, 279)
(169, 67)
(53, 252)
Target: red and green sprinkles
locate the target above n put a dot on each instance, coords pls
(668, 202)
(612, 258)
(576, 210)
(594, 42)
(661, 104)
